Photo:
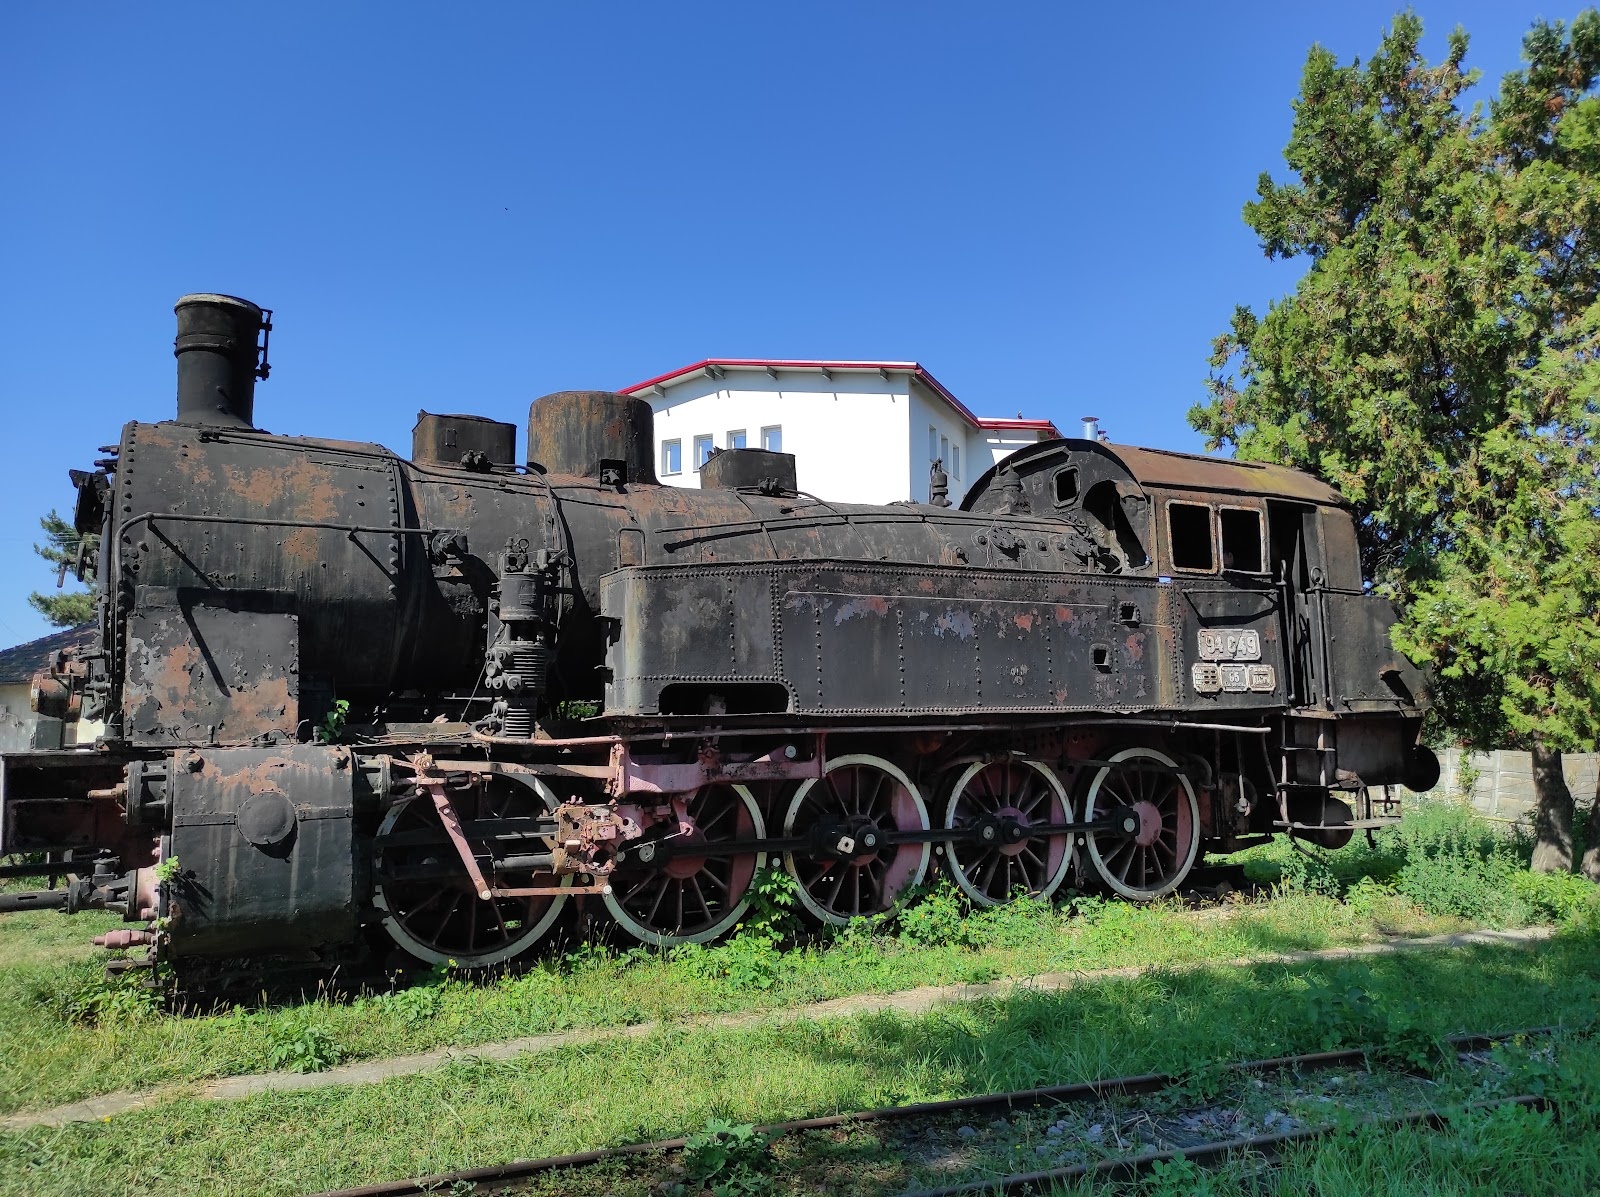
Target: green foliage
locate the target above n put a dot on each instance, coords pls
(301, 1047)
(731, 1161)
(752, 958)
(774, 911)
(575, 709)
(1443, 859)
(333, 724)
(938, 916)
(1398, 1033)
(1176, 1178)
(1439, 361)
(94, 999)
(414, 1005)
(65, 609)
(168, 870)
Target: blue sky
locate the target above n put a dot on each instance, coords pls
(462, 207)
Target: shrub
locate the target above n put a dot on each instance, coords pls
(731, 1161)
(937, 917)
(93, 999)
(301, 1047)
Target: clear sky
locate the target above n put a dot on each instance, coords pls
(462, 207)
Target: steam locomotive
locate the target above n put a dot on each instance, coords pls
(346, 701)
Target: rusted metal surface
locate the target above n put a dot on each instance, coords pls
(754, 469)
(210, 675)
(452, 825)
(464, 442)
(266, 843)
(593, 434)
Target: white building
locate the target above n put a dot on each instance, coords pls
(863, 432)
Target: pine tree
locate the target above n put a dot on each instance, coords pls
(1439, 362)
(69, 608)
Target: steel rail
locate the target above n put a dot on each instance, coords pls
(1125, 1167)
(1126, 1086)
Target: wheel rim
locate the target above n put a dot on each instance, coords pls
(690, 899)
(1030, 793)
(441, 920)
(861, 790)
(1154, 861)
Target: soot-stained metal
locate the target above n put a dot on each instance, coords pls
(345, 704)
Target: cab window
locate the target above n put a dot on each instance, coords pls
(1189, 533)
(1241, 539)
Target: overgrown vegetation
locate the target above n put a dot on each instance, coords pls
(1442, 859)
(332, 728)
(731, 1161)
(477, 1112)
(70, 1034)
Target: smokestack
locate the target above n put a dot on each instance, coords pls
(1091, 428)
(219, 359)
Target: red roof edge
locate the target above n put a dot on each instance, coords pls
(915, 369)
(1000, 425)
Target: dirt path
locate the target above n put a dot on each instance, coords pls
(908, 1001)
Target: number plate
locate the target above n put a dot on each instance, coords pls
(1230, 644)
(1232, 678)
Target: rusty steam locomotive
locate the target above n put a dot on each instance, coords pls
(352, 701)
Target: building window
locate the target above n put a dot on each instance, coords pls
(955, 462)
(944, 450)
(702, 450)
(933, 443)
(772, 439)
(671, 457)
(736, 438)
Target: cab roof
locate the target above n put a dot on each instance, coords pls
(1189, 471)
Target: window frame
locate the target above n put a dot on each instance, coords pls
(1212, 524)
(709, 442)
(1077, 493)
(1261, 530)
(933, 443)
(676, 443)
(955, 461)
(778, 428)
(744, 438)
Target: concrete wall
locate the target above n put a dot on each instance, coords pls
(929, 413)
(16, 717)
(1503, 786)
(17, 721)
(847, 435)
(998, 444)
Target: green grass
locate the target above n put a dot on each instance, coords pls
(69, 1035)
(474, 1112)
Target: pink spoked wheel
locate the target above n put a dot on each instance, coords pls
(430, 907)
(853, 872)
(1000, 800)
(661, 894)
(1155, 844)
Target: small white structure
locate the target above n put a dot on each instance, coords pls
(861, 432)
(19, 724)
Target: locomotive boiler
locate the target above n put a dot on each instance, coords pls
(350, 702)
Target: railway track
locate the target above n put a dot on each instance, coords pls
(942, 1115)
